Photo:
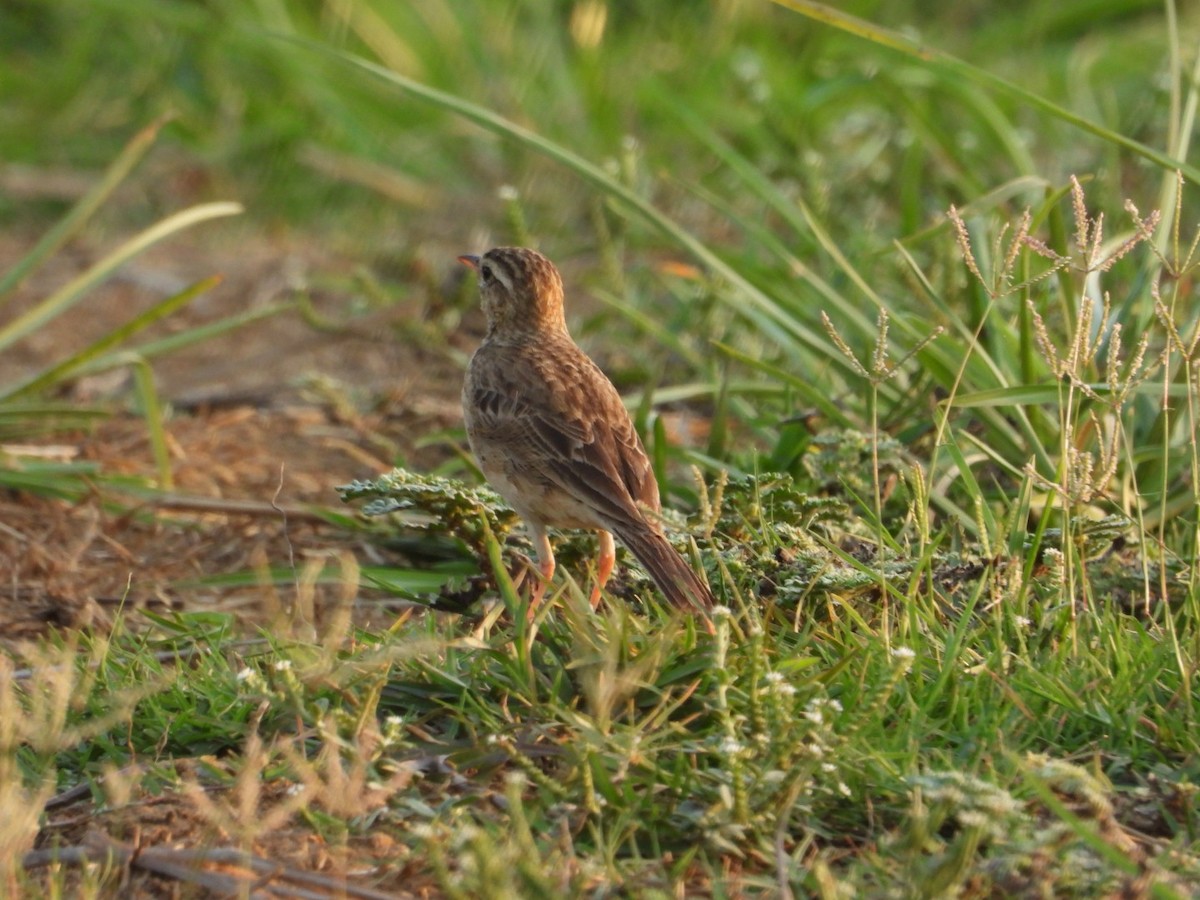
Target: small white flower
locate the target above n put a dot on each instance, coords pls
(1023, 621)
(972, 818)
(295, 789)
(721, 612)
(951, 795)
(1000, 803)
(814, 711)
(507, 193)
(773, 677)
(730, 747)
(283, 665)
(250, 678)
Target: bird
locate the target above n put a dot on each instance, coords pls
(553, 437)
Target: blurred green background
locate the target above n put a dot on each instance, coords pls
(879, 143)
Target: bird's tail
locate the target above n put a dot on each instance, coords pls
(670, 571)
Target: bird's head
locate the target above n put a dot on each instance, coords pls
(519, 289)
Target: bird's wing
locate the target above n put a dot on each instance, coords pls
(560, 418)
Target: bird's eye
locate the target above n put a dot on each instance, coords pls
(486, 273)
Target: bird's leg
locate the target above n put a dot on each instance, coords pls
(545, 559)
(605, 561)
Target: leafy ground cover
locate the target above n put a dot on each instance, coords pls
(907, 320)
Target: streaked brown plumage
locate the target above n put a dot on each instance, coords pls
(552, 435)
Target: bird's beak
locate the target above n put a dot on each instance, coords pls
(472, 261)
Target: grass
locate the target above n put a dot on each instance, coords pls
(939, 317)
(24, 414)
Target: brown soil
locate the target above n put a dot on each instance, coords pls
(266, 420)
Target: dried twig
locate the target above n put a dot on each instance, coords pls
(238, 871)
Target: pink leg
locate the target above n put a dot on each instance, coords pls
(604, 565)
(545, 558)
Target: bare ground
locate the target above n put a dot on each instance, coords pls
(266, 420)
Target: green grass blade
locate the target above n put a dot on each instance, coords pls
(17, 419)
(893, 40)
(67, 481)
(173, 342)
(67, 296)
(117, 336)
(1051, 393)
(775, 321)
(803, 386)
(972, 489)
(84, 209)
(152, 412)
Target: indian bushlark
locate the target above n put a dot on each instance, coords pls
(552, 435)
